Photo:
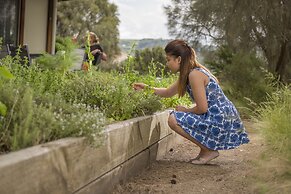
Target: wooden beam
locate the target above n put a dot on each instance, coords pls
(21, 11)
(50, 21)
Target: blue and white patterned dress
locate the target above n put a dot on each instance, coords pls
(220, 128)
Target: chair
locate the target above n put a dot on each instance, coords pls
(22, 51)
(3, 52)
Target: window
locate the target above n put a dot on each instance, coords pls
(9, 10)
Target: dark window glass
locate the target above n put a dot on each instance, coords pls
(9, 21)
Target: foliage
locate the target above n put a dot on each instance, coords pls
(273, 121)
(65, 44)
(110, 93)
(243, 78)
(4, 74)
(251, 26)
(76, 17)
(33, 119)
(61, 61)
(89, 63)
(44, 104)
(155, 78)
(126, 44)
(145, 57)
(37, 113)
(275, 116)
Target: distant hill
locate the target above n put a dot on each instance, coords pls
(126, 44)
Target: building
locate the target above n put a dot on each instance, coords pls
(31, 22)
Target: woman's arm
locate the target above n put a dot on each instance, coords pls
(102, 54)
(163, 92)
(198, 81)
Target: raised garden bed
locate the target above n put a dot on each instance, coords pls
(71, 166)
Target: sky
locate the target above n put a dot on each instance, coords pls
(142, 19)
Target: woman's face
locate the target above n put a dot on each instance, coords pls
(92, 39)
(173, 63)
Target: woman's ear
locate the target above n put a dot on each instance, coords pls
(179, 59)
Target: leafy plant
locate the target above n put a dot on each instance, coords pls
(45, 104)
(4, 74)
(243, 79)
(273, 121)
(33, 119)
(61, 61)
(88, 64)
(148, 56)
(65, 44)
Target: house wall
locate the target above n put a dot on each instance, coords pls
(35, 26)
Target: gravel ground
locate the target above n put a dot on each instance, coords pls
(229, 173)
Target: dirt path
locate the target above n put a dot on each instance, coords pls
(120, 57)
(174, 175)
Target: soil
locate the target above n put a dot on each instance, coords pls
(229, 173)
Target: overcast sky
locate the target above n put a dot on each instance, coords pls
(142, 19)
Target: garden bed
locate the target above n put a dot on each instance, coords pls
(71, 166)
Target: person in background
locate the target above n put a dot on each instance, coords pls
(95, 49)
(212, 123)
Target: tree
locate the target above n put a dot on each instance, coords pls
(100, 16)
(248, 25)
(145, 57)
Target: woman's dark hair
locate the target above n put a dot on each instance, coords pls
(179, 48)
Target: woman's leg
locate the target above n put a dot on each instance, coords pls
(205, 153)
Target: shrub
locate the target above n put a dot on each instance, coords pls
(143, 59)
(63, 59)
(243, 78)
(33, 119)
(4, 74)
(61, 62)
(44, 105)
(65, 44)
(275, 116)
(274, 124)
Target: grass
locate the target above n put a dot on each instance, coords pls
(274, 168)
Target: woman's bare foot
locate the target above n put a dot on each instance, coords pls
(206, 157)
(196, 158)
(201, 153)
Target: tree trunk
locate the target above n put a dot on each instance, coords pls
(282, 62)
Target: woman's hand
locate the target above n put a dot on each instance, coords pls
(94, 52)
(181, 108)
(139, 86)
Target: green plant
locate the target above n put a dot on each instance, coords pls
(65, 44)
(36, 112)
(4, 74)
(88, 63)
(273, 121)
(275, 116)
(33, 119)
(44, 105)
(243, 78)
(61, 61)
(144, 58)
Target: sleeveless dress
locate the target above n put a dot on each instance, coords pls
(220, 128)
